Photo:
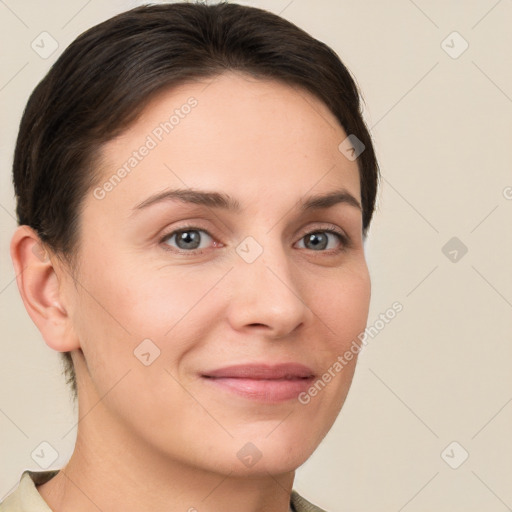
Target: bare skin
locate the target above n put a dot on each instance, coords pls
(161, 437)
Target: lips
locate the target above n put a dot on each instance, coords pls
(266, 383)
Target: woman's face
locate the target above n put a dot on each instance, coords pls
(161, 316)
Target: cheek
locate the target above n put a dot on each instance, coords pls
(124, 305)
(343, 304)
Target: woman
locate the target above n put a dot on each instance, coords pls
(194, 187)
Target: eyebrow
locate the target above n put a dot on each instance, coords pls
(226, 202)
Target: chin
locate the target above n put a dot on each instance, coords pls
(273, 464)
(274, 453)
(255, 455)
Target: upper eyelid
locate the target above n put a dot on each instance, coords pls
(327, 226)
(197, 226)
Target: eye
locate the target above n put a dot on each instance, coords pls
(192, 239)
(319, 239)
(188, 239)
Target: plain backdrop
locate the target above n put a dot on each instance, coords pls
(427, 423)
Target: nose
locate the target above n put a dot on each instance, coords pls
(267, 295)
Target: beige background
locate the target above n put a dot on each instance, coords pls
(440, 371)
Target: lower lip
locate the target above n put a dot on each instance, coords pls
(263, 390)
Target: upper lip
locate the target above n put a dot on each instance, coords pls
(262, 371)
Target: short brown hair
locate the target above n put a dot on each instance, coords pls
(103, 80)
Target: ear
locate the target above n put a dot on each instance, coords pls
(41, 288)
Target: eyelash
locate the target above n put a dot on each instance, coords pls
(345, 241)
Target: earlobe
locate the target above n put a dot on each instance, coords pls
(41, 289)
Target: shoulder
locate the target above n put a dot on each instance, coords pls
(25, 497)
(300, 504)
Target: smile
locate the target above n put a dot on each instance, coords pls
(265, 383)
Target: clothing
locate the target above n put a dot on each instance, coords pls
(26, 497)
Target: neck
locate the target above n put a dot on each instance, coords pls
(112, 469)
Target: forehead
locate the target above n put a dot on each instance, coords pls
(234, 132)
